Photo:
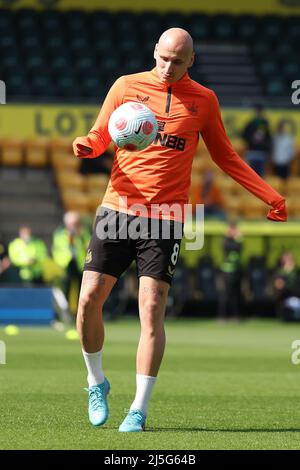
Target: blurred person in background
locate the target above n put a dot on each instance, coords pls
(4, 259)
(283, 150)
(159, 174)
(287, 287)
(231, 274)
(209, 194)
(69, 246)
(28, 253)
(257, 136)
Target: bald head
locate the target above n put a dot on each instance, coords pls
(173, 54)
(176, 39)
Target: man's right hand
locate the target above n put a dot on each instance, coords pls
(278, 213)
(82, 147)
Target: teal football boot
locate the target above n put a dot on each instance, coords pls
(98, 407)
(134, 422)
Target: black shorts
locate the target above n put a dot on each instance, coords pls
(119, 238)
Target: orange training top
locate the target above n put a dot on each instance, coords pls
(161, 173)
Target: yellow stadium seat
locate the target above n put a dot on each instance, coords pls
(95, 199)
(36, 152)
(70, 180)
(239, 146)
(232, 206)
(61, 144)
(65, 161)
(277, 183)
(293, 206)
(12, 152)
(295, 166)
(75, 201)
(252, 208)
(227, 184)
(96, 182)
(293, 185)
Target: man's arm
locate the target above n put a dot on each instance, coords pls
(98, 139)
(223, 154)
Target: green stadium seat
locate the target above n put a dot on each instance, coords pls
(275, 87)
(246, 27)
(223, 27)
(200, 26)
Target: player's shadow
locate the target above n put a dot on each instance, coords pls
(180, 429)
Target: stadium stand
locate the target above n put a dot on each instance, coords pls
(58, 57)
(61, 55)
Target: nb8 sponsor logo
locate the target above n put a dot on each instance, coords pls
(170, 141)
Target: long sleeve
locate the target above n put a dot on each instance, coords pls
(223, 154)
(98, 138)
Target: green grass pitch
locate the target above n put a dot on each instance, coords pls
(227, 386)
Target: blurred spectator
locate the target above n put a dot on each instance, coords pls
(286, 277)
(283, 150)
(28, 254)
(4, 259)
(69, 247)
(102, 164)
(257, 136)
(209, 194)
(231, 274)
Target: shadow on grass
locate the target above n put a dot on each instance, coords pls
(180, 429)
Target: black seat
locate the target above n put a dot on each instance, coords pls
(206, 278)
(247, 27)
(175, 20)
(199, 26)
(276, 87)
(223, 27)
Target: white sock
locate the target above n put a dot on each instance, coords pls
(93, 362)
(144, 386)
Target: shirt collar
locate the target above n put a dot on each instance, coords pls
(179, 84)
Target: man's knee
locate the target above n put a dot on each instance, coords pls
(88, 301)
(152, 316)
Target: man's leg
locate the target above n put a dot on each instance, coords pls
(153, 294)
(95, 289)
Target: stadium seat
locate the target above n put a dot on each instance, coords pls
(94, 200)
(251, 207)
(277, 183)
(61, 155)
(60, 144)
(96, 182)
(227, 185)
(276, 87)
(246, 27)
(68, 180)
(11, 152)
(206, 278)
(257, 276)
(174, 19)
(232, 206)
(293, 206)
(36, 152)
(271, 27)
(76, 201)
(223, 27)
(63, 161)
(200, 26)
(293, 186)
